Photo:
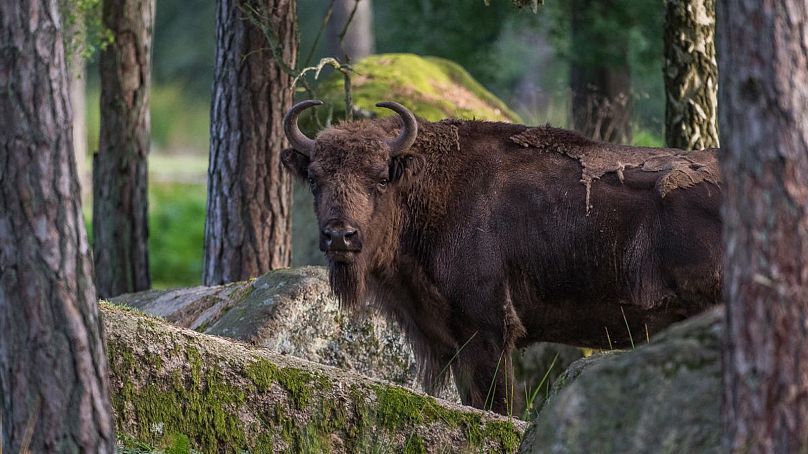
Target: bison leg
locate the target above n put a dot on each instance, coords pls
(483, 372)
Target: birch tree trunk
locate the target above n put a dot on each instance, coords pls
(120, 168)
(691, 75)
(248, 224)
(54, 388)
(763, 60)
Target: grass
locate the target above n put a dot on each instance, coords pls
(630, 337)
(532, 397)
(176, 233)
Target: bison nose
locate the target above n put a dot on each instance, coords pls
(340, 238)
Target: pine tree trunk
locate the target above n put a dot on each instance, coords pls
(601, 93)
(358, 41)
(120, 198)
(691, 75)
(54, 389)
(763, 57)
(248, 225)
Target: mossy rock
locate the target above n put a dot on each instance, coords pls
(291, 311)
(179, 391)
(432, 88)
(663, 397)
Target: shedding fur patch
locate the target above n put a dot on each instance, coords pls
(677, 169)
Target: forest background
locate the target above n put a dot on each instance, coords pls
(527, 59)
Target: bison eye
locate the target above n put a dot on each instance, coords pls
(382, 184)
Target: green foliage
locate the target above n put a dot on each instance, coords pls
(603, 33)
(179, 120)
(176, 233)
(464, 32)
(646, 138)
(84, 29)
(185, 46)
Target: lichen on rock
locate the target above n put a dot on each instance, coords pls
(176, 390)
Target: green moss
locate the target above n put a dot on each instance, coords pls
(178, 444)
(262, 373)
(433, 88)
(297, 382)
(200, 410)
(505, 432)
(415, 445)
(196, 407)
(398, 408)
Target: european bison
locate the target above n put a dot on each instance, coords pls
(482, 237)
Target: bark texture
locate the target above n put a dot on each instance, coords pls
(691, 75)
(53, 371)
(78, 102)
(248, 225)
(601, 91)
(358, 39)
(763, 57)
(173, 386)
(120, 168)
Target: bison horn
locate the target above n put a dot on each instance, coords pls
(408, 133)
(298, 140)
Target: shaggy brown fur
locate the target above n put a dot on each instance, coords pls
(490, 236)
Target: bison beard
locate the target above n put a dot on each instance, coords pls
(347, 282)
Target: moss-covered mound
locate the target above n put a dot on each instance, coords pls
(180, 391)
(433, 88)
(663, 397)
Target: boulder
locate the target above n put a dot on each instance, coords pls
(176, 390)
(290, 311)
(433, 88)
(293, 312)
(662, 397)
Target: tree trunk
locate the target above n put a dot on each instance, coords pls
(248, 225)
(764, 128)
(358, 41)
(78, 102)
(691, 75)
(601, 91)
(54, 389)
(120, 198)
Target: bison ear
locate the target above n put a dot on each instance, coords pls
(403, 164)
(296, 162)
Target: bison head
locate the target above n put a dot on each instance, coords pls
(353, 170)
